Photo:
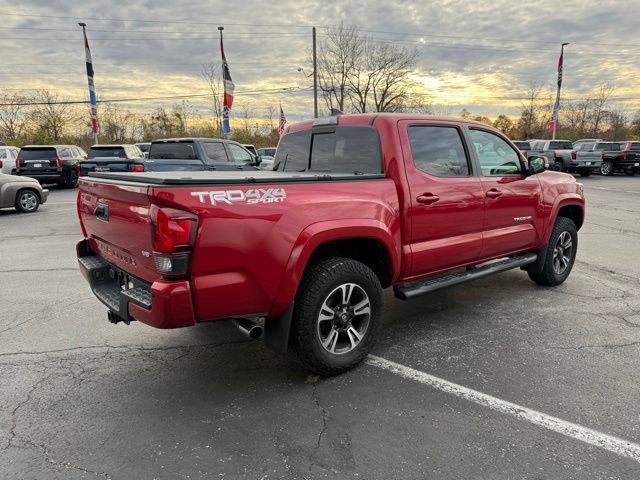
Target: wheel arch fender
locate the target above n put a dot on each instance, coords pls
(570, 203)
(321, 233)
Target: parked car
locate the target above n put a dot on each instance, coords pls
(8, 157)
(199, 154)
(22, 193)
(267, 156)
(614, 159)
(630, 150)
(563, 157)
(359, 203)
(523, 146)
(112, 158)
(51, 163)
(144, 147)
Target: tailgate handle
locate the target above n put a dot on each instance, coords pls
(102, 212)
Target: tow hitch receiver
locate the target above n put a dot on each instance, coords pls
(115, 318)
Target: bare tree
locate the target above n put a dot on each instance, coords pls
(391, 66)
(598, 104)
(337, 59)
(529, 123)
(114, 121)
(211, 73)
(51, 117)
(182, 113)
(13, 118)
(575, 116)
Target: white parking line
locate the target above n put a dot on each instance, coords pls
(613, 444)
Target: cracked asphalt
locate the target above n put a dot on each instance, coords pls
(81, 398)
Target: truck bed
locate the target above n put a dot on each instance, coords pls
(230, 178)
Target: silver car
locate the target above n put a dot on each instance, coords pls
(22, 193)
(8, 157)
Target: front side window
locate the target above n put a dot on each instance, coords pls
(496, 156)
(438, 151)
(239, 154)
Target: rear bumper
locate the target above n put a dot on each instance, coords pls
(45, 177)
(587, 164)
(44, 195)
(161, 304)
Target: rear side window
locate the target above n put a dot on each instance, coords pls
(438, 151)
(173, 150)
(524, 146)
(635, 146)
(215, 151)
(292, 153)
(609, 147)
(38, 153)
(561, 145)
(100, 152)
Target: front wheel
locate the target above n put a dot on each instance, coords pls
(27, 201)
(338, 313)
(560, 256)
(72, 179)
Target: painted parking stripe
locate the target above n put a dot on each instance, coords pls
(613, 444)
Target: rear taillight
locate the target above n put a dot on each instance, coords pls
(79, 208)
(18, 163)
(574, 155)
(0, 163)
(58, 162)
(173, 232)
(137, 168)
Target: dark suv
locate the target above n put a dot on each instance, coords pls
(51, 163)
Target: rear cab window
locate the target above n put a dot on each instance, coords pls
(560, 145)
(609, 147)
(215, 151)
(635, 146)
(524, 146)
(352, 150)
(173, 150)
(100, 152)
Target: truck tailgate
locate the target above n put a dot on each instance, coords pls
(117, 224)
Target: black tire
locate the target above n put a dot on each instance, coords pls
(72, 179)
(606, 168)
(585, 173)
(630, 172)
(27, 201)
(323, 283)
(557, 166)
(550, 276)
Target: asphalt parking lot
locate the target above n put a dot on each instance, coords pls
(81, 398)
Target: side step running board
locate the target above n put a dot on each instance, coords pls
(420, 287)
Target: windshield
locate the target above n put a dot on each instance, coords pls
(173, 150)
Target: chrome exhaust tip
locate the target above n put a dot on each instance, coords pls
(249, 328)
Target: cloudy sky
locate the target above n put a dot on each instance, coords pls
(479, 55)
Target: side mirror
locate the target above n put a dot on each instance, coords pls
(537, 164)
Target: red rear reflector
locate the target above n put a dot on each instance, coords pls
(18, 163)
(172, 229)
(574, 154)
(59, 162)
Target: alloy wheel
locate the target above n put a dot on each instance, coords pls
(562, 253)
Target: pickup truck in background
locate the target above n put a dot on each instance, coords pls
(563, 157)
(112, 158)
(301, 255)
(197, 154)
(523, 146)
(616, 157)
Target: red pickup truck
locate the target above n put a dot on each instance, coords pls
(355, 204)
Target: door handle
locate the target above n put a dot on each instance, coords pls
(427, 199)
(494, 193)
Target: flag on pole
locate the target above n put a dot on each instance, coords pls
(228, 90)
(283, 122)
(92, 90)
(553, 124)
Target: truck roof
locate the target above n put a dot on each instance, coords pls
(190, 139)
(356, 119)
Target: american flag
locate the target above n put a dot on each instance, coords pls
(283, 122)
(228, 91)
(92, 89)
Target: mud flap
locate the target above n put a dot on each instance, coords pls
(276, 331)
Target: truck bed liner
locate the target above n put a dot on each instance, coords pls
(227, 178)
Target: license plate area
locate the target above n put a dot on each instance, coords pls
(102, 169)
(588, 164)
(36, 165)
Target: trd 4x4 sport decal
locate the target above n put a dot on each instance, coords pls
(253, 196)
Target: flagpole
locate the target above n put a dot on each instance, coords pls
(556, 106)
(92, 89)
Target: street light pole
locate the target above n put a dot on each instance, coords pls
(315, 75)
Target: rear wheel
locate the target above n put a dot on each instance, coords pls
(72, 179)
(561, 254)
(606, 168)
(338, 312)
(557, 166)
(27, 201)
